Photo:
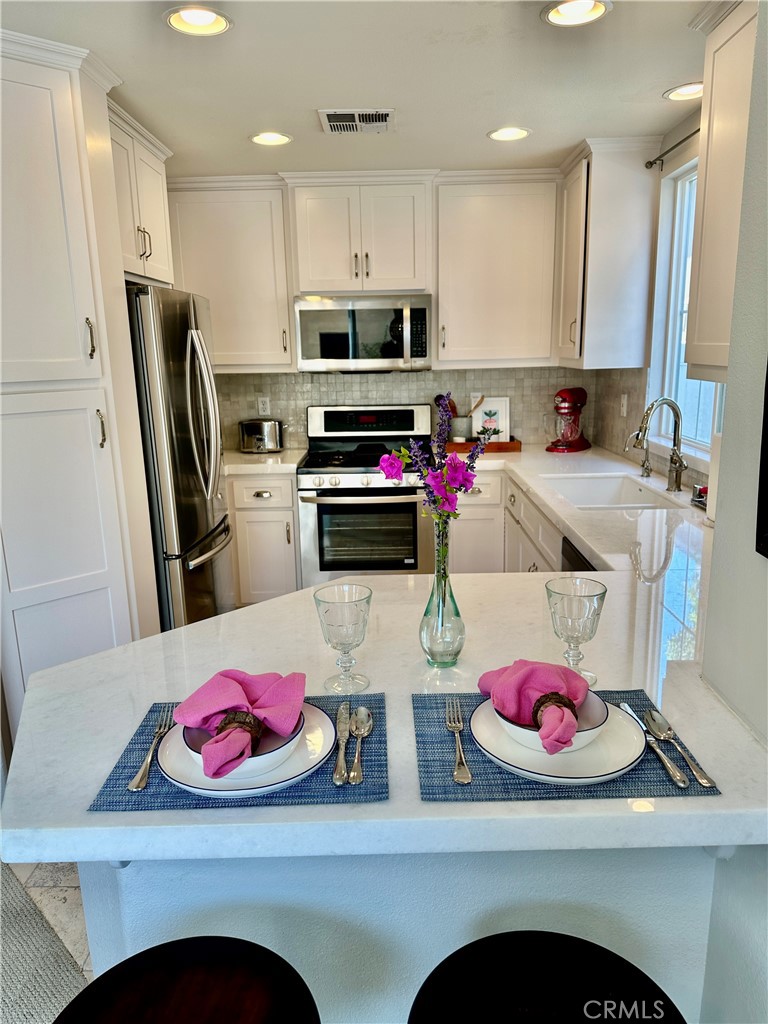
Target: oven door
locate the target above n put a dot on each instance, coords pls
(353, 532)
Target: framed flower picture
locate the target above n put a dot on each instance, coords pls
(493, 413)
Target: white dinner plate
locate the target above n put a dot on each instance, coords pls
(618, 748)
(317, 741)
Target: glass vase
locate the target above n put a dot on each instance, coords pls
(442, 631)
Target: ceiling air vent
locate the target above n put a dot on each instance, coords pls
(353, 122)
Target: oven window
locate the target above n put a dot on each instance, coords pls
(358, 537)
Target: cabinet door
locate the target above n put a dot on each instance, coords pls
(131, 240)
(572, 274)
(266, 554)
(722, 153)
(49, 329)
(496, 250)
(477, 540)
(328, 240)
(513, 544)
(64, 592)
(230, 247)
(394, 237)
(153, 210)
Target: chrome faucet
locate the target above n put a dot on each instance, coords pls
(645, 465)
(676, 461)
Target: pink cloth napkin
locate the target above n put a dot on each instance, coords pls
(514, 689)
(275, 699)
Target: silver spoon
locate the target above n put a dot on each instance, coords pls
(360, 725)
(662, 730)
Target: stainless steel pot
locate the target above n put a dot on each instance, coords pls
(257, 436)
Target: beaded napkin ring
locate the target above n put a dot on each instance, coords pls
(551, 698)
(243, 720)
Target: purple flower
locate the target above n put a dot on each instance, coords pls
(456, 473)
(391, 466)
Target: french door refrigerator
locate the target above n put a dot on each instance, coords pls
(181, 435)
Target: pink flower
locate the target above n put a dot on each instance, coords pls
(448, 502)
(436, 480)
(457, 474)
(391, 467)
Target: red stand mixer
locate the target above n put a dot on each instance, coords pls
(568, 405)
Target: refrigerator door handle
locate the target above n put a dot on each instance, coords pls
(193, 563)
(194, 340)
(216, 445)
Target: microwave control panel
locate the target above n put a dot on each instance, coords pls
(418, 333)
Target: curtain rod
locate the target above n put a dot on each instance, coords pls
(660, 157)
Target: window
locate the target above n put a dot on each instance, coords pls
(696, 398)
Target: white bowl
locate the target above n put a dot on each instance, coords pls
(273, 749)
(593, 714)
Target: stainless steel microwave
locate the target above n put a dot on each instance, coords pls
(363, 333)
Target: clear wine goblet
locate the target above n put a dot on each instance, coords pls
(343, 610)
(575, 604)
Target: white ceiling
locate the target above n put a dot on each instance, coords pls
(453, 71)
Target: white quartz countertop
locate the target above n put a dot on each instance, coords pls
(78, 718)
(245, 464)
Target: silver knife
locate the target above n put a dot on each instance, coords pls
(679, 778)
(342, 734)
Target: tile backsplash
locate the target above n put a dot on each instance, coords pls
(530, 390)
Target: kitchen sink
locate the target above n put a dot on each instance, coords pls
(608, 491)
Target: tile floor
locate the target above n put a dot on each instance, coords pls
(55, 888)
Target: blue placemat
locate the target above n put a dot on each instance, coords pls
(317, 788)
(435, 749)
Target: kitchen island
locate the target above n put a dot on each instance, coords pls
(383, 891)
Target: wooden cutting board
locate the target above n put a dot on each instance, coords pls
(490, 448)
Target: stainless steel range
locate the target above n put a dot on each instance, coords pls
(351, 520)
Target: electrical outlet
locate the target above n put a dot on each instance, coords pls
(623, 405)
(263, 405)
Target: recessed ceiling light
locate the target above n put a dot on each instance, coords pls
(271, 139)
(691, 91)
(567, 13)
(508, 134)
(197, 20)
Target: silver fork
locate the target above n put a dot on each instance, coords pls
(164, 723)
(454, 723)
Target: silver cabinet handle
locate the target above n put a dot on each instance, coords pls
(288, 533)
(103, 440)
(357, 265)
(476, 490)
(442, 333)
(149, 252)
(512, 499)
(367, 265)
(285, 340)
(143, 234)
(92, 336)
(571, 329)
(262, 494)
(533, 567)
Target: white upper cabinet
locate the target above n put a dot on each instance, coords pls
(496, 254)
(142, 198)
(352, 238)
(722, 150)
(229, 245)
(608, 215)
(49, 323)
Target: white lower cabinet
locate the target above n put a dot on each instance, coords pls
(477, 536)
(266, 536)
(63, 588)
(531, 542)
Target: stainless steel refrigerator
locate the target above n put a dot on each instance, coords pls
(181, 434)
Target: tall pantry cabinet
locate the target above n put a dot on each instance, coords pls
(65, 592)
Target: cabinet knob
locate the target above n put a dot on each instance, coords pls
(512, 499)
(476, 490)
